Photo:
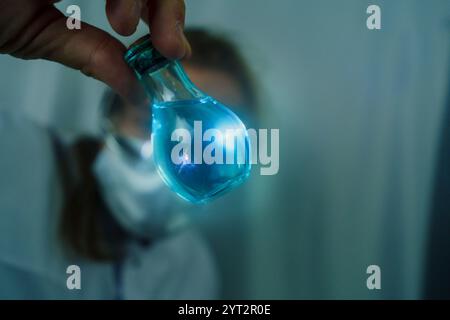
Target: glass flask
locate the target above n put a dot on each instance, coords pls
(200, 147)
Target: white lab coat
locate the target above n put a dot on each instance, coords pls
(33, 262)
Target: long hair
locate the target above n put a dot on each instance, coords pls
(87, 227)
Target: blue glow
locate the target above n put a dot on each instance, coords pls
(198, 182)
(200, 147)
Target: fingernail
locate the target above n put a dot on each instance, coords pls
(179, 27)
(182, 38)
(187, 46)
(137, 8)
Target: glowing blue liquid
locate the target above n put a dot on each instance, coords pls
(198, 183)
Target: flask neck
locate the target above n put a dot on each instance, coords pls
(169, 83)
(164, 80)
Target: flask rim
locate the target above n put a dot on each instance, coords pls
(143, 57)
(141, 44)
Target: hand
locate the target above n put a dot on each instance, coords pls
(35, 29)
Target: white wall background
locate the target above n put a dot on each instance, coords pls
(359, 113)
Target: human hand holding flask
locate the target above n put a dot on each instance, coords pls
(36, 29)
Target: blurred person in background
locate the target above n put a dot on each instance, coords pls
(102, 205)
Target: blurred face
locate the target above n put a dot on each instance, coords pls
(136, 121)
(218, 84)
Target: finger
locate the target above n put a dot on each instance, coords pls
(90, 50)
(166, 20)
(124, 15)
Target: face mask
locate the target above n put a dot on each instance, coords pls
(132, 188)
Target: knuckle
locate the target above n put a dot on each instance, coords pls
(96, 56)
